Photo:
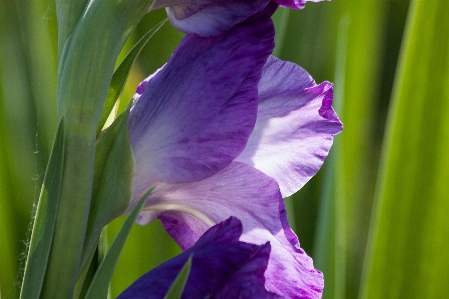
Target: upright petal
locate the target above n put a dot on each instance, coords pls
(195, 114)
(209, 17)
(294, 128)
(222, 267)
(188, 210)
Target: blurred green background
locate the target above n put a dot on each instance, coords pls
(376, 217)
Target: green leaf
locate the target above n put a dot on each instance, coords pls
(87, 269)
(28, 125)
(44, 223)
(140, 253)
(100, 283)
(330, 249)
(408, 255)
(357, 164)
(69, 13)
(85, 71)
(176, 289)
(121, 74)
(114, 164)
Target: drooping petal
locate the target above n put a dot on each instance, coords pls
(294, 128)
(222, 267)
(188, 210)
(196, 114)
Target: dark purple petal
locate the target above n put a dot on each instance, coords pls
(294, 128)
(248, 281)
(211, 17)
(222, 267)
(188, 210)
(196, 114)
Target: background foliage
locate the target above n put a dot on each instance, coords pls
(374, 219)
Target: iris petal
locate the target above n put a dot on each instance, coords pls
(208, 18)
(222, 267)
(195, 114)
(212, 17)
(253, 197)
(294, 128)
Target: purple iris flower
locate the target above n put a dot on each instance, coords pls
(211, 17)
(222, 267)
(224, 129)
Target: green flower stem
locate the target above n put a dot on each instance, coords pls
(85, 70)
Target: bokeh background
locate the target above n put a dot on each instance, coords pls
(375, 218)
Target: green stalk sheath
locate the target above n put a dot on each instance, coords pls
(69, 13)
(71, 222)
(85, 70)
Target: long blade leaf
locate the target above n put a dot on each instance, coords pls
(100, 283)
(176, 289)
(44, 222)
(121, 74)
(408, 256)
(114, 164)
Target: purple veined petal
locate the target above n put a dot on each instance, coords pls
(196, 114)
(188, 210)
(295, 4)
(209, 17)
(222, 267)
(294, 128)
